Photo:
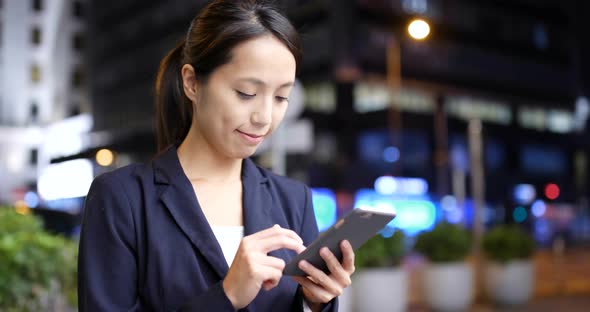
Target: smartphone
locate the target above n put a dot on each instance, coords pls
(357, 226)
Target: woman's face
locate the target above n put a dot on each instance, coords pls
(244, 100)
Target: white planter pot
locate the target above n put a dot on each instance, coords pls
(448, 287)
(510, 283)
(383, 289)
(345, 301)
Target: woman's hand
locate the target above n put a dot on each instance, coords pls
(320, 288)
(253, 268)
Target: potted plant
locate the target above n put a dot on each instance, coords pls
(37, 269)
(448, 279)
(509, 273)
(380, 283)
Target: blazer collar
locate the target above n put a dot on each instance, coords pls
(179, 197)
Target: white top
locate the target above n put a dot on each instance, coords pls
(229, 238)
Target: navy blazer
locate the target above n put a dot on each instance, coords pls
(146, 245)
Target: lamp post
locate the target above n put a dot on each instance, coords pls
(418, 29)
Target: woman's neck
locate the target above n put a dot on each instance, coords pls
(201, 162)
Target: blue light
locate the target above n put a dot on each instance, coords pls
(415, 186)
(489, 214)
(412, 216)
(32, 199)
(324, 207)
(454, 216)
(387, 232)
(70, 205)
(385, 185)
(448, 203)
(524, 194)
(543, 230)
(539, 208)
(519, 214)
(391, 154)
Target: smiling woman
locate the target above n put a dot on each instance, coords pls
(201, 226)
(234, 124)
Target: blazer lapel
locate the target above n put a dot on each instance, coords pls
(256, 200)
(258, 204)
(179, 197)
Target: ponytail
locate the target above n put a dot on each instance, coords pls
(174, 111)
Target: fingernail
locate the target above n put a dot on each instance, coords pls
(324, 251)
(302, 264)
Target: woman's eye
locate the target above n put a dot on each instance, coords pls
(282, 99)
(245, 96)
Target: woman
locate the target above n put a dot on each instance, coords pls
(202, 227)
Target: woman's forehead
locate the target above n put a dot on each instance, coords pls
(263, 60)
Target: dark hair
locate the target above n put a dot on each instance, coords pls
(213, 33)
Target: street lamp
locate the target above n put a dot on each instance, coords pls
(418, 29)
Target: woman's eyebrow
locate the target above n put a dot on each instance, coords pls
(259, 82)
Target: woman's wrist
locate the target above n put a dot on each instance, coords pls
(314, 306)
(229, 294)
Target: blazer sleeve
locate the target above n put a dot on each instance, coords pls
(309, 232)
(107, 260)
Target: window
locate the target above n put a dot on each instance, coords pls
(34, 112)
(33, 157)
(37, 5)
(35, 73)
(321, 97)
(78, 42)
(466, 108)
(36, 35)
(543, 160)
(77, 77)
(78, 9)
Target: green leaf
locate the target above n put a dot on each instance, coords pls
(33, 264)
(508, 242)
(445, 243)
(380, 251)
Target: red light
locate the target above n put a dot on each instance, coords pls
(551, 191)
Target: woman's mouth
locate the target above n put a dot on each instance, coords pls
(252, 139)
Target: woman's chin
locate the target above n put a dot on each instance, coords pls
(245, 152)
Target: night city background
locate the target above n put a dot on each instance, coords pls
(482, 123)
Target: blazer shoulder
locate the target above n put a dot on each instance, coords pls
(288, 191)
(122, 179)
(121, 175)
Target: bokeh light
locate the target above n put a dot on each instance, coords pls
(105, 157)
(539, 208)
(519, 214)
(419, 29)
(552, 191)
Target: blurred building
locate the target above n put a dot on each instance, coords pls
(42, 82)
(515, 66)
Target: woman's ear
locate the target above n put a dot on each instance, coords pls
(189, 82)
